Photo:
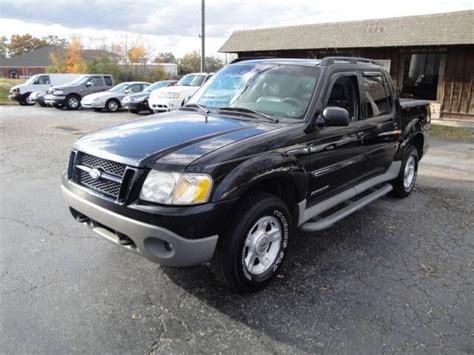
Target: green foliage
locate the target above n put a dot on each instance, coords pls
(213, 64)
(5, 85)
(3, 46)
(189, 63)
(165, 57)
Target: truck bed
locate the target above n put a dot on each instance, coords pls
(410, 103)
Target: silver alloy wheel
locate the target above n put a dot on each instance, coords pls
(262, 245)
(112, 106)
(73, 102)
(409, 173)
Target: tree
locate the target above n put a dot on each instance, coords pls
(137, 54)
(69, 61)
(213, 64)
(55, 41)
(3, 46)
(189, 63)
(157, 74)
(165, 57)
(21, 44)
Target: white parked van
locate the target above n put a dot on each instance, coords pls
(38, 82)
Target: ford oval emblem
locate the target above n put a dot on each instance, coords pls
(95, 173)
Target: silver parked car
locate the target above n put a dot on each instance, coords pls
(111, 99)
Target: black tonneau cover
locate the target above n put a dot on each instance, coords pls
(409, 103)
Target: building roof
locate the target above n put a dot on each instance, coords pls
(40, 57)
(36, 58)
(436, 29)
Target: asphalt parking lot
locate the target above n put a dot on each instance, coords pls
(395, 277)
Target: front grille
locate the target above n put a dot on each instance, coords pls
(114, 179)
(108, 187)
(110, 167)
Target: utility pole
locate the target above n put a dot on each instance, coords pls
(203, 37)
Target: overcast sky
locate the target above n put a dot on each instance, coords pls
(166, 25)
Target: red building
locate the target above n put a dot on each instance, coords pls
(28, 64)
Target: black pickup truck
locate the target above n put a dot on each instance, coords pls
(267, 146)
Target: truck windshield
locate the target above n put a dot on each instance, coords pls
(273, 89)
(191, 80)
(79, 80)
(157, 85)
(32, 79)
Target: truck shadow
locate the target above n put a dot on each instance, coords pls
(322, 283)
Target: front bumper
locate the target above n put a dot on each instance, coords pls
(153, 242)
(15, 97)
(92, 104)
(54, 99)
(139, 106)
(162, 105)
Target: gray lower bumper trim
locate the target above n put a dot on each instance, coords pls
(149, 239)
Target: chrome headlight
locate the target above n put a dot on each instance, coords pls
(58, 92)
(169, 95)
(172, 188)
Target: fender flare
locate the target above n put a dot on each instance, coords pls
(259, 169)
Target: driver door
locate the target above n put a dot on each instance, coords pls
(338, 155)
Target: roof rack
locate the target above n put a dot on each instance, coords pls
(241, 59)
(352, 60)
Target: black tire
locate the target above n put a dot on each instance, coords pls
(73, 102)
(112, 105)
(403, 187)
(24, 100)
(135, 111)
(229, 260)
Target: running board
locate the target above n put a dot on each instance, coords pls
(351, 207)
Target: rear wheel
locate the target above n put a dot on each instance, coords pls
(250, 252)
(73, 102)
(112, 105)
(405, 182)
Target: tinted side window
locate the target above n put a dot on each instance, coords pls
(108, 80)
(376, 96)
(345, 94)
(96, 81)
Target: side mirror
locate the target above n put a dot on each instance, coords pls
(89, 83)
(335, 117)
(127, 91)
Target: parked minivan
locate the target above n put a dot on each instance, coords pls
(38, 82)
(71, 94)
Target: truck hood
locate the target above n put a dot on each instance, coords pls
(178, 137)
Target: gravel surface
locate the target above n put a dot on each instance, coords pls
(397, 276)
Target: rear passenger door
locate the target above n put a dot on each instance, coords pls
(382, 131)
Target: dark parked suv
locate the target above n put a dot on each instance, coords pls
(265, 147)
(71, 94)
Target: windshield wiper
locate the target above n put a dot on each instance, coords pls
(249, 112)
(197, 107)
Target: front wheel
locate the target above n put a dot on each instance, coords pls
(112, 105)
(405, 182)
(73, 102)
(250, 252)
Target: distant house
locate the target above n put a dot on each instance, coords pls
(34, 62)
(429, 57)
